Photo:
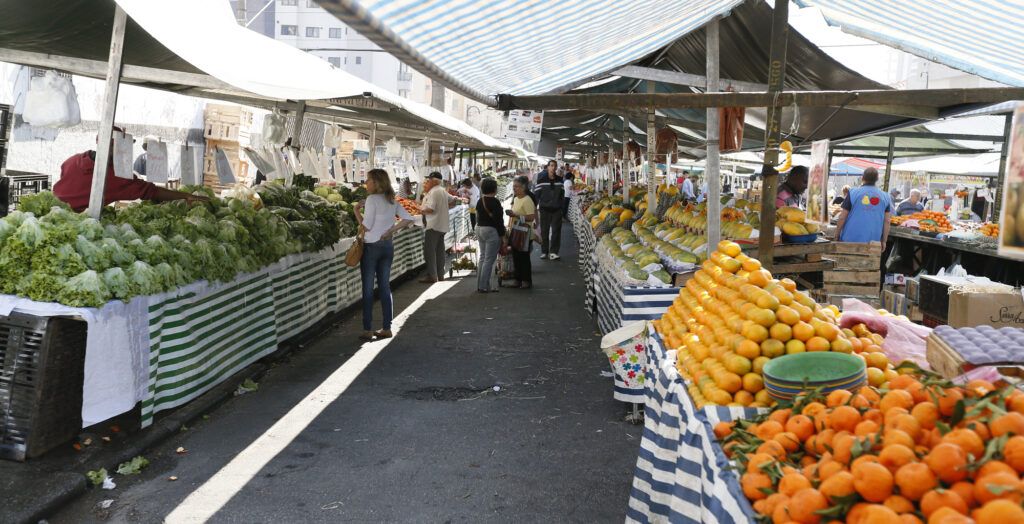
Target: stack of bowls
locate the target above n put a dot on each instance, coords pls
(787, 376)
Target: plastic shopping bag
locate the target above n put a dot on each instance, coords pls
(51, 102)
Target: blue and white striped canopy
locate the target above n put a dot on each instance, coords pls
(981, 37)
(523, 47)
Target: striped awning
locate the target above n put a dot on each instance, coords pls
(523, 47)
(976, 36)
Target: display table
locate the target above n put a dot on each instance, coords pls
(165, 350)
(979, 257)
(587, 241)
(681, 473)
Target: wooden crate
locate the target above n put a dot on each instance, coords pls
(797, 259)
(239, 164)
(228, 123)
(943, 359)
(856, 272)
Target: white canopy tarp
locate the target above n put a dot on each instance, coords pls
(986, 164)
(206, 34)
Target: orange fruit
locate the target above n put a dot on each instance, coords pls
(926, 413)
(965, 490)
(837, 486)
(772, 448)
(802, 426)
(878, 360)
(818, 344)
(979, 387)
(782, 332)
(754, 484)
(723, 429)
(873, 481)
(866, 428)
(768, 429)
(896, 398)
(795, 346)
(878, 514)
(788, 440)
(755, 460)
(899, 504)
(905, 423)
(896, 456)
(748, 349)
(948, 399)
(1013, 453)
(790, 483)
(948, 461)
(753, 382)
(803, 331)
(999, 512)
(947, 515)
(804, 504)
(787, 315)
(842, 447)
(897, 436)
(827, 331)
(999, 485)
(837, 398)
(1010, 423)
(842, 345)
(942, 498)
(914, 479)
(772, 348)
(755, 332)
(844, 418)
(968, 440)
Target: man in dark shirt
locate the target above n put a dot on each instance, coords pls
(75, 184)
(550, 196)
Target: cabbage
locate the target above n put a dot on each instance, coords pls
(90, 228)
(30, 233)
(143, 279)
(41, 203)
(119, 256)
(93, 254)
(84, 290)
(6, 229)
(117, 282)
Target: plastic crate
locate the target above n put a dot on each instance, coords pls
(42, 368)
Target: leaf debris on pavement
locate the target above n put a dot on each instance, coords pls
(133, 466)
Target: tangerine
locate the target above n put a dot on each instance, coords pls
(1013, 453)
(818, 344)
(790, 483)
(999, 512)
(873, 481)
(896, 456)
(802, 426)
(838, 485)
(805, 504)
(803, 331)
(998, 485)
(844, 418)
(782, 332)
(795, 346)
(942, 498)
(914, 479)
(1011, 423)
(948, 461)
(968, 440)
(755, 484)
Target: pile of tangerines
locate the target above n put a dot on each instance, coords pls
(921, 451)
(732, 317)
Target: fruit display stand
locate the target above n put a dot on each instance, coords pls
(797, 260)
(619, 303)
(682, 473)
(587, 241)
(979, 255)
(165, 350)
(460, 225)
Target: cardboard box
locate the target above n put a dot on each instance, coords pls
(889, 301)
(986, 309)
(914, 312)
(913, 289)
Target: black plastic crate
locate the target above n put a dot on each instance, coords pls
(42, 368)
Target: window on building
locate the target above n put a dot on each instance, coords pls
(404, 93)
(346, 30)
(346, 60)
(311, 3)
(289, 30)
(289, 2)
(334, 32)
(334, 61)
(312, 32)
(359, 60)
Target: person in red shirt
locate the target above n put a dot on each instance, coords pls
(75, 184)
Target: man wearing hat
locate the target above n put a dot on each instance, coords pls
(140, 161)
(75, 183)
(436, 202)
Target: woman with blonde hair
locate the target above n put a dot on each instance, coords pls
(377, 225)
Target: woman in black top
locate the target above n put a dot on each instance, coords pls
(490, 231)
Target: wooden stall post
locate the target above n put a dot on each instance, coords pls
(713, 198)
(300, 115)
(773, 131)
(625, 154)
(373, 146)
(652, 199)
(888, 163)
(113, 83)
(1001, 175)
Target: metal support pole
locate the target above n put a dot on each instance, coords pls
(373, 146)
(652, 198)
(300, 114)
(713, 177)
(997, 206)
(625, 154)
(104, 144)
(773, 132)
(888, 163)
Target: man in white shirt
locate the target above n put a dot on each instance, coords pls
(472, 192)
(436, 202)
(687, 188)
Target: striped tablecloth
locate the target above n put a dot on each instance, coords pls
(586, 241)
(618, 304)
(197, 339)
(681, 471)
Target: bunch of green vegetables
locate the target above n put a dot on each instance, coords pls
(50, 254)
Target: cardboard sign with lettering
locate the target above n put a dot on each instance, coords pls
(986, 309)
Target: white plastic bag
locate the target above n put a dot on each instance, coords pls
(333, 136)
(393, 149)
(52, 102)
(274, 131)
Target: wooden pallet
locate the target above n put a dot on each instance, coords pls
(856, 273)
(944, 359)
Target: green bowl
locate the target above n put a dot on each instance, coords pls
(813, 368)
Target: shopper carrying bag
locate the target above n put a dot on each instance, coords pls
(377, 220)
(522, 215)
(490, 231)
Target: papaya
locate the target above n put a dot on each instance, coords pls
(794, 229)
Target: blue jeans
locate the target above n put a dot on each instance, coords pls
(489, 244)
(376, 263)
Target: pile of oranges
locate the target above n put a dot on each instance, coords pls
(990, 229)
(732, 317)
(932, 221)
(921, 451)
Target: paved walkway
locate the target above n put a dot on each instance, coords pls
(420, 435)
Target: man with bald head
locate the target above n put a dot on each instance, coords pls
(865, 215)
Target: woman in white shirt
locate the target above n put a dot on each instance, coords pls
(377, 224)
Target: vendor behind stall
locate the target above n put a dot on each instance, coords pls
(75, 184)
(791, 191)
(865, 215)
(911, 205)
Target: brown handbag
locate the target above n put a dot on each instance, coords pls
(355, 253)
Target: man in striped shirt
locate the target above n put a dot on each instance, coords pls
(550, 193)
